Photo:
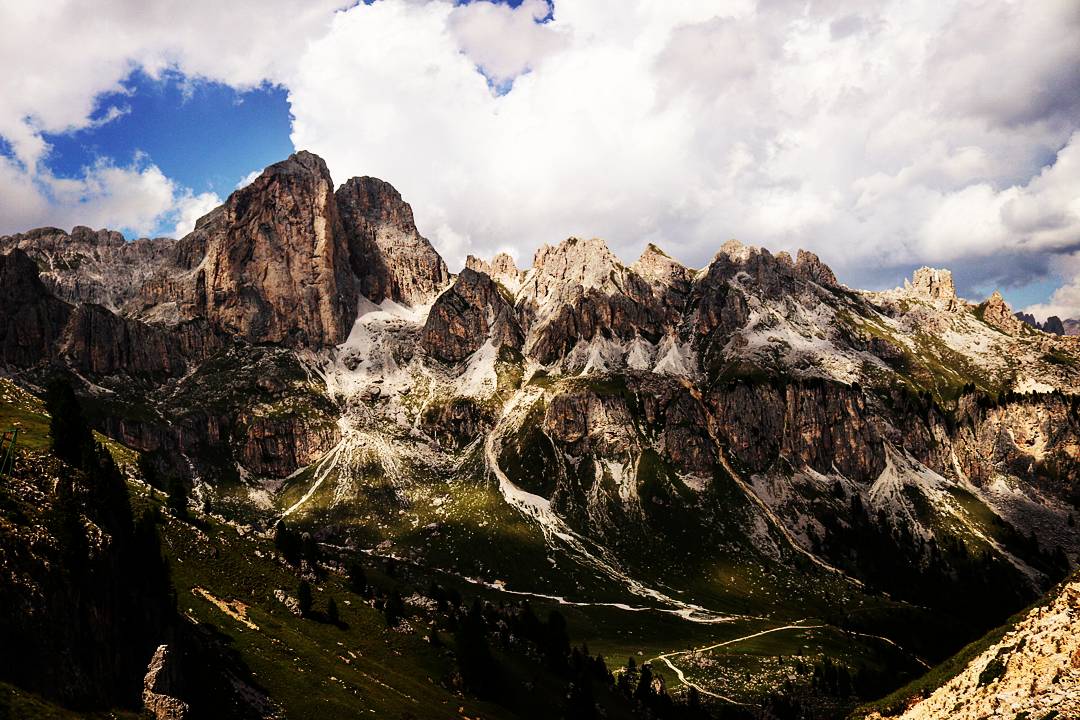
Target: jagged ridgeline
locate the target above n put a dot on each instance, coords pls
(383, 487)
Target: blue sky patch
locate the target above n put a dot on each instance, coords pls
(203, 135)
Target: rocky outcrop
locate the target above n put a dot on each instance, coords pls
(1031, 672)
(670, 280)
(94, 266)
(578, 292)
(31, 319)
(282, 261)
(808, 424)
(391, 259)
(933, 283)
(996, 312)
(38, 328)
(277, 446)
(501, 269)
(99, 342)
(277, 260)
(472, 312)
(158, 688)
(810, 267)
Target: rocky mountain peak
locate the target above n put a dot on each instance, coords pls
(996, 312)
(660, 269)
(933, 283)
(471, 312)
(277, 259)
(502, 269)
(571, 265)
(810, 267)
(389, 256)
(735, 251)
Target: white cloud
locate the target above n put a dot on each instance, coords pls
(136, 198)
(913, 131)
(190, 207)
(59, 56)
(688, 123)
(68, 52)
(248, 179)
(503, 41)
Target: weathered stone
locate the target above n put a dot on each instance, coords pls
(391, 259)
(159, 688)
(466, 316)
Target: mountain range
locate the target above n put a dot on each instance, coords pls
(777, 495)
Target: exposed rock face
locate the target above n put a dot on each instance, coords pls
(466, 316)
(997, 312)
(31, 319)
(1054, 325)
(275, 447)
(390, 258)
(89, 266)
(817, 425)
(158, 688)
(578, 291)
(501, 269)
(810, 267)
(102, 343)
(670, 280)
(1033, 671)
(36, 328)
(277, 260)
(933, 283)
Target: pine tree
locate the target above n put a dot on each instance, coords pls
(303, 596)
(287, 543)
(332, 611)
(644, 692)
(178, 497)
(556, 641)
(474, 658)
(357, 578)
(395, 608)
(72, 439)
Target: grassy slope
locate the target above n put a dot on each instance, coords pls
(943, 672)
(391, 673)
(17, 704)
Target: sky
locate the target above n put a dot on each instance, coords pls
(882, 135)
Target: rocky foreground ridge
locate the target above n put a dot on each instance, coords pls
(664, 432)
(1033, 671)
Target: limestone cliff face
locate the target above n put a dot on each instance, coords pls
(577, 292)
(31, 319)
(933, 283)
(36, 328)
(277, 260)
(808, 424)
(88, 266)
(997, 312)
(501, 269)
(391, 259)
(466, 316)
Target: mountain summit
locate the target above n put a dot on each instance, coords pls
(681, 460)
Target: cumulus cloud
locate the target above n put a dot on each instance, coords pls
(60, 56)
(505, 42)
(880, 140)
(905, 133)
(189, 207)
(135, 198)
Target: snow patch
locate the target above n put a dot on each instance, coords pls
(480, 379)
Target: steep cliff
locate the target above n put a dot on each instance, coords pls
(391, 259)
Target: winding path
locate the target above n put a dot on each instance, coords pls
(666, 657)
(539, 509)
